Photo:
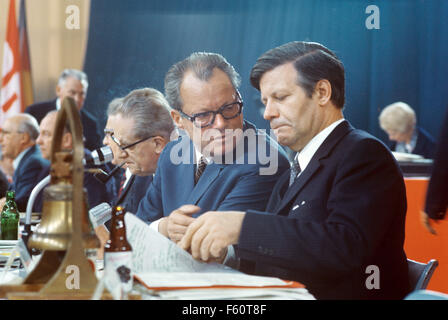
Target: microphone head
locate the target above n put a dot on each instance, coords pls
(100, 156)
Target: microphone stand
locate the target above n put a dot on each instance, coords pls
(26, 234)
(104, 176)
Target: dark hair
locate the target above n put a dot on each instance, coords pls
(312, 61)
(202, 64)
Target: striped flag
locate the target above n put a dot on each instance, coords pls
(27, 84)
(10, 94)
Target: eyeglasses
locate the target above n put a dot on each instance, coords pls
(123, 148)
(205, 119)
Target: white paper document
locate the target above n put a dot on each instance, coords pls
(170, 272)
(152, 252)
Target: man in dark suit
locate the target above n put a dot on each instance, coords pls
(436, 203)
(218, 164)
(96, 190)
(18, 141)
(138, 128)
(339, 213)
(72, 83)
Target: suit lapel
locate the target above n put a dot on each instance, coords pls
(324, 151)
(209, 175)
(18, 170)
(126, 189)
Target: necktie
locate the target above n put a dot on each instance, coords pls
(295, 170)
(123, 180)
(200, 169)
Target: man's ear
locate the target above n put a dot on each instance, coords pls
(160, 143)
(67, 141)
(58, 91)
(323, 91)
(177, 118)
(25, 139)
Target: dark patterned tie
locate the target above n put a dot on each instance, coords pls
(200, 169)
(295, 170)
(123, 180)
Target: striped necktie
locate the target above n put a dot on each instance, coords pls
(123, 180)
(295, 170)
(200, 169)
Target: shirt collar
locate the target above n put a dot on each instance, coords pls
(58, 104)
(198, 155)
(304, 157)
(16, 161)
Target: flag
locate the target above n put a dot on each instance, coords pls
(27, 84)
(10, 94)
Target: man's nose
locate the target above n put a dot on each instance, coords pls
(220, 122)
(269, 111)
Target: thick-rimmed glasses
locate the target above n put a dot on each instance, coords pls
(205, 119)
(123, 148)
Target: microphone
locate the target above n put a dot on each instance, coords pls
(100, 214)
(99, 156)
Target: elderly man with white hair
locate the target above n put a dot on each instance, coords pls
(72, 83)
(18, 141)
(398, 120)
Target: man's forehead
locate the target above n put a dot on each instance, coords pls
(120, 125)
(73, 83)
(11, 124)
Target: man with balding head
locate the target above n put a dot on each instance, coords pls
(96, 190)
(18, 141)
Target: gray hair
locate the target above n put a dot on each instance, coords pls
(149, 110)
(73, 73)
(202, 64)
(398, 117)
(28, 124)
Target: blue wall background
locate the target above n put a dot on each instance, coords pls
(132, 44)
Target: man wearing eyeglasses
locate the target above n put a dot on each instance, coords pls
(138, 128)
(210, 166)
(18, 141)
(336, 221)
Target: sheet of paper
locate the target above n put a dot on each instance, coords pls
(208, 279)
(152, 252)
(220, 294)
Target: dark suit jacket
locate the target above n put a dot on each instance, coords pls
(236, 186)
(134, 191)
(89, 123)
(437, 193)
(26, 176)
(96, 190)
(344, 212)
(425, 145)
(4, 184)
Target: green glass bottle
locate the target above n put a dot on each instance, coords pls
(10, 218)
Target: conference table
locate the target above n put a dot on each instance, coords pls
(420, 245)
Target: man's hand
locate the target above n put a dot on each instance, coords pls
(210, 234)
(103, 235)
(175, 225)
(426, 221)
